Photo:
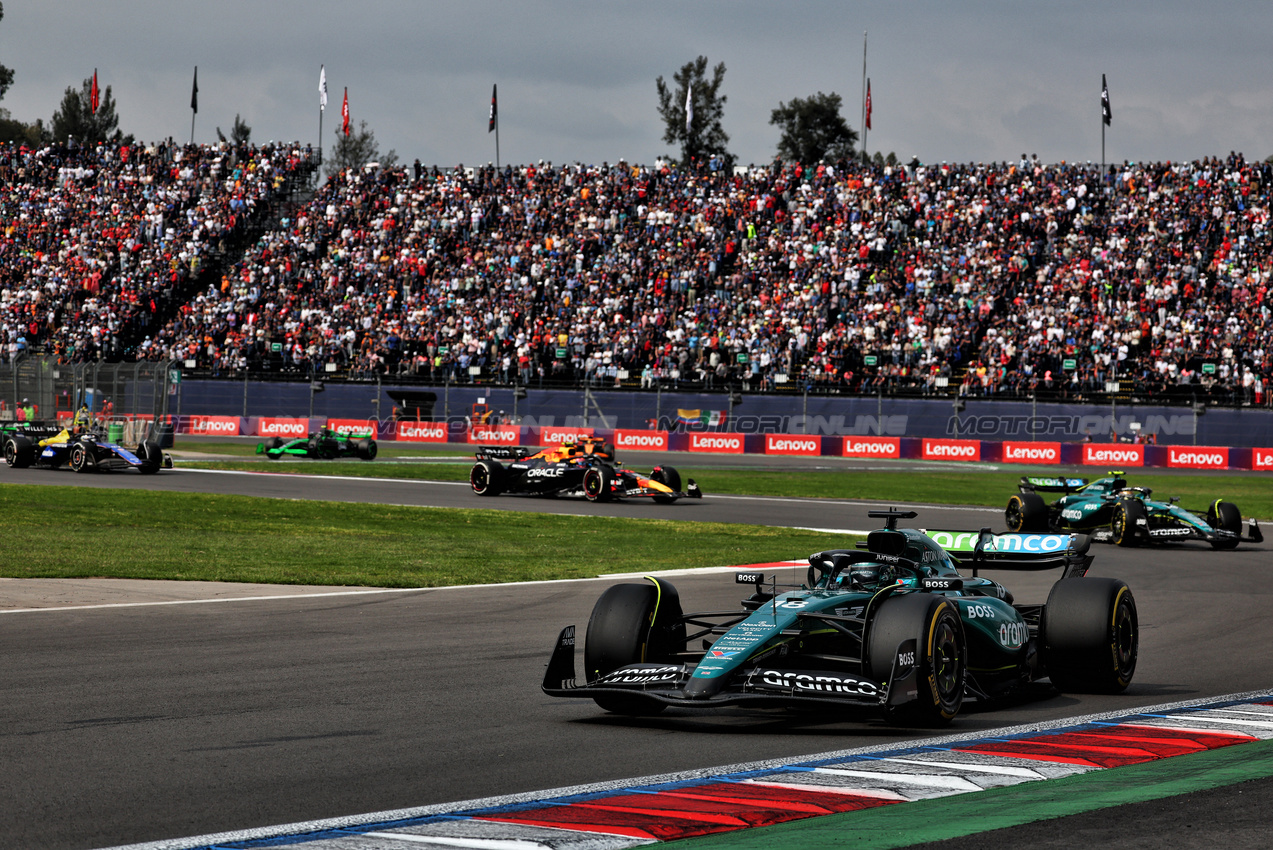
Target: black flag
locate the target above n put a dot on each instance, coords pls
(194, 92)
(1106, 114)
(494, 111)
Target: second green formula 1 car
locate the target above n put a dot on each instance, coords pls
(324, 444)
(1113, 512)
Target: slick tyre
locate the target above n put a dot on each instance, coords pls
(80, 459)
(151, 457)
(273, 445)
(366, 449)
(941, 656)
(1224, 515)
(487, 478)
(1090, 635)
(670, 478)
(1026, 512)
(19, 452)
(597, 484)
(1129, 517)
(619, 633)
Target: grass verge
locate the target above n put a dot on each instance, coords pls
(1252, 493)
(73, 532)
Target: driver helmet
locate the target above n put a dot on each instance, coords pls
(869, 576)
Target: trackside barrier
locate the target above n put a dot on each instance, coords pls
(1040, 453)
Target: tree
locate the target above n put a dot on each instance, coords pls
(704, 137)
(76, 119)
(813, 129)
(357, 149)
(240, 133)
(6, 74)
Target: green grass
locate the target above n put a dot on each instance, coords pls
(1253, 494)
(72, 532)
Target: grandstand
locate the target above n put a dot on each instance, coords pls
(1001, 280)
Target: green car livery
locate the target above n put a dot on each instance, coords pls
(1113, 512)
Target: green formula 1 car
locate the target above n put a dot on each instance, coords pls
(1113, 512)
(897, 627)
(324, 444)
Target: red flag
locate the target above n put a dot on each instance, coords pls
(344, 112)
(92, 98)
(868, 103)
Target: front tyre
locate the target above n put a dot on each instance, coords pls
(941, 655)
(79, 458)
(1129, 517)
(670, 478)
(1026, 512)
(366, 449)
(1090, 635)
(597, 483)
(619, 633)
(487, 478)
(151, 457)
(1226, 516)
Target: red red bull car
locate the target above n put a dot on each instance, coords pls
(585, 468)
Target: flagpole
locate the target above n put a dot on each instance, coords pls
(194, 102)
(863, 116)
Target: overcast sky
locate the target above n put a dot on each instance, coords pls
(959, 81)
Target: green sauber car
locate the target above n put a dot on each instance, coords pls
(895, 628)
(1113, 512)
(324, 444)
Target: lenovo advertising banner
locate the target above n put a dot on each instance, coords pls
(496, 435)
(1262, 459)
(1113, 454)
(555, 436)
(221, 426)
(648, 440)
(951, 449)
(890, 447)
(421, 432)
(1197, 457)
(710, 441)
(354, 427)
(1031, 453)
(793, 444)
(278, 426)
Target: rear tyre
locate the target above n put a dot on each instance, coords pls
(941, 656)
(597, 483)
(1226, 516)
(366, 449)
(79, 458)
(487, 478)
(19, 452)
(619, 633)
(1026, 512)
(1129, 517)
(1090, 635)
(669, 477)
(151, 457)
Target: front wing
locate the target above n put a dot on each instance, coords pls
(757, 687)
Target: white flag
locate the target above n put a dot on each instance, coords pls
(689, 107)
(322, 88)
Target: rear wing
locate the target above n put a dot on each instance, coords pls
(983, 549)
(1051, 484)
(503, 452)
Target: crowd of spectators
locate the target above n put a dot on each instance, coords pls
(1007, 278)
(96, 239)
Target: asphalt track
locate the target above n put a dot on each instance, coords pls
(130, 724)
